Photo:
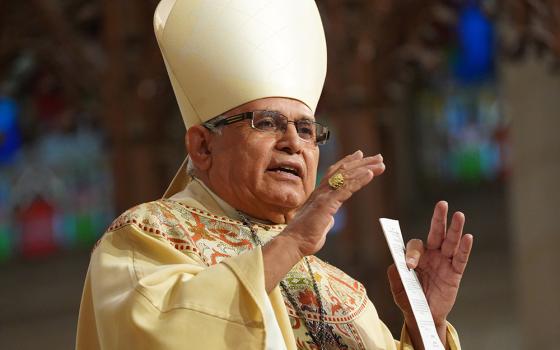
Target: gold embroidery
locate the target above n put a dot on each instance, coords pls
(213, 238)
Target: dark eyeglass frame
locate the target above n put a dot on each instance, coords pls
(221, 121)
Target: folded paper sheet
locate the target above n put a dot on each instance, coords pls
(412, 287)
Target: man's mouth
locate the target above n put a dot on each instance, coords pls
(287, 167)
(289, 170)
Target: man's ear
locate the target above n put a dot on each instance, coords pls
(198, 140)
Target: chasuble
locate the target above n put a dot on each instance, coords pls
(185, 273)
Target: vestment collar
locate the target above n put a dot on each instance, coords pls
(197, 194)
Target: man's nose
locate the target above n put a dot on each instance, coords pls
(290, 142)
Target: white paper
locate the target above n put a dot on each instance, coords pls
(412, 287)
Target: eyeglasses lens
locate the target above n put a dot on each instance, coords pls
(273, 122)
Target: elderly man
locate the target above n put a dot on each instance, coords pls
(225, 260)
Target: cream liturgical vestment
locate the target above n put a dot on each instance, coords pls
(185, 273)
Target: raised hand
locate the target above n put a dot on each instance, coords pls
(306, 232)
(440, 264)
(312, 222)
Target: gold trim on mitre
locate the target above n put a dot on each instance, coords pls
(220, 54)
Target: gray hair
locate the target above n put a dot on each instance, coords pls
(215, 129)
(211, 125)
(191, 168)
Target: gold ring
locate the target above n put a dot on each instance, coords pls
(336, 181)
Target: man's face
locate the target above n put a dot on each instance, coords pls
(254, 170)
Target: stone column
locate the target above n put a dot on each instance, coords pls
(532, 100)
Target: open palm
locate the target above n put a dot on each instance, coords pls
(439, 263)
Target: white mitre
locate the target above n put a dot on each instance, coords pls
(220, 54)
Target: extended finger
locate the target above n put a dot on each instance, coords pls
(462, 257)
(438, 225)
(453, 237)
(355, 180)
(357, 168)
(353, 161)
(349, 158)
(372, 163)
(414, 250)
(363, 162)
(349, 170)
(377, 168)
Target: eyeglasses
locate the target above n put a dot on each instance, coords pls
(273, 122)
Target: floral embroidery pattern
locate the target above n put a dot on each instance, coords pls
(343, 300)
(210, 239)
